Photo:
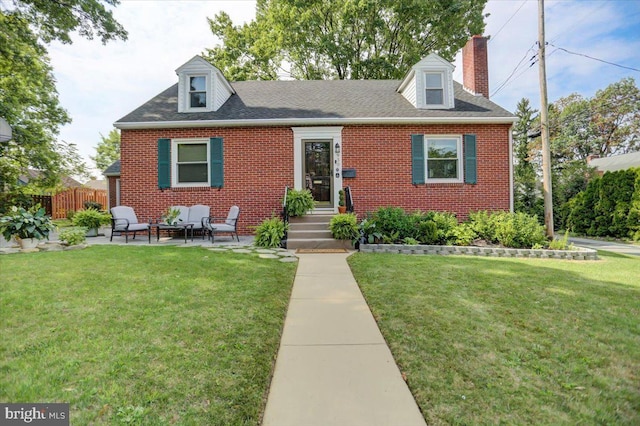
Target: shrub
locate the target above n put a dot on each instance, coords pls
(562, 244)
(392, 223)
(270, 232)
(299, 202)
(92, 205)
(368, 232)
(446, 223)
(427, 232)
(90, 218)
(519, 230)
(484, 224)
(73, 235)
(344, 226)
(464, 234)
(24, 224)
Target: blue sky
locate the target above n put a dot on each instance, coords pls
(99, 84)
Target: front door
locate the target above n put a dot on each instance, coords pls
(317, 169)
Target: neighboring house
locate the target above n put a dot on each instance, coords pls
(112, 173)
(94, 183)
(614, 163)
(66, 182)
(425, 142)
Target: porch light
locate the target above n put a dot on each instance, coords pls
(337, 148)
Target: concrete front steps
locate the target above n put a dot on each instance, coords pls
(312, 232)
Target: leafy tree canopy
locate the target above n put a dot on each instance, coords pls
(343, 39)
(108, 150)
(27, 86)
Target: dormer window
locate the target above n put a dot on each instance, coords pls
(433, 88)
(201, 87)
(429, 84)
(198, 92)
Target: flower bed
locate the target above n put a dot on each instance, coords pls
(578, 253)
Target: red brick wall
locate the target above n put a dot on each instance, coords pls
(111, 184)
(258, 164)
(381, 156)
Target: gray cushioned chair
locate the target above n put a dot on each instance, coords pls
(229, 225)
(124, 221)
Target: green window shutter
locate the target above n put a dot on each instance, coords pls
(417, 159)
(470, 162)
(216, 162)
(164, 163)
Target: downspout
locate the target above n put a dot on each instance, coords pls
(511, 207)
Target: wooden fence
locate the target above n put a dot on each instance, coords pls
(74, 199)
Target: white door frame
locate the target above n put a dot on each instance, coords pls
(333, 133)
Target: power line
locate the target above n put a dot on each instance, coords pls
(595, 59)
(509, 78)
(508, 20)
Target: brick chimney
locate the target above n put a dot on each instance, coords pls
(475, 68)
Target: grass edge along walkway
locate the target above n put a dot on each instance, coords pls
(511, 341)
(142, 335)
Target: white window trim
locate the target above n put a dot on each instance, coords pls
(443, 81)
(460, 159)
(174, 163)
(207, 91)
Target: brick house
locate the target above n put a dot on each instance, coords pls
(425, 142)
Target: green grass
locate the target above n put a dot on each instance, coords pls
(142, 335)
(511, 341)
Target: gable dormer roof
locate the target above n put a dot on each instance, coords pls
(429, 83)
(201, 86)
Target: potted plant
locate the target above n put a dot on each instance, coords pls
(28, 227)
(299, 202)
(91, 219)
(341, 207)
(170, 217)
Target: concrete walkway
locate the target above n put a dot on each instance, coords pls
(334, 367)
(606, 245)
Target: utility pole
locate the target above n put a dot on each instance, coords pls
(544, 125)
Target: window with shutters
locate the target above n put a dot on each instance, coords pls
(443, 158)
(190, 162)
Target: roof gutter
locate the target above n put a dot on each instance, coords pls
(312, 122)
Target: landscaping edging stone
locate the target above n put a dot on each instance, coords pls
(579, 253)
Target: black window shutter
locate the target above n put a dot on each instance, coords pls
(417, 159)
(164, 163)
(470, 162)
(216, 162)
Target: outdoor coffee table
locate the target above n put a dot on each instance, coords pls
(186, 227)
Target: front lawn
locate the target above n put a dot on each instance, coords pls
(142, 335)
(511, 341)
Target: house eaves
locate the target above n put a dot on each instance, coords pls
(313, 122)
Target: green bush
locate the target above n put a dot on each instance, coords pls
(91, 218)
(464, 235)
(24, 224)
(299, 202)
(393, 223)
(368, 231)
(483, 224)
(73, 235)
(344, 226)
(519, 230)
(270, 232)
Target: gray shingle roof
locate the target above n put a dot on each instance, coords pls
(342, 100)
(617, 162)
(113, 169)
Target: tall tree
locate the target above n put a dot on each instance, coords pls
(354, 39)
(527, 197)
(27, 86)
(108, 150)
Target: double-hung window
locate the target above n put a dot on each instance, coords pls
(198, 92)
(443, 158)
(434, 88)
(190, 162)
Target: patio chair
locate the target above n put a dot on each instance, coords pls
(124, 221)
(229, 225)
(196, 215)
